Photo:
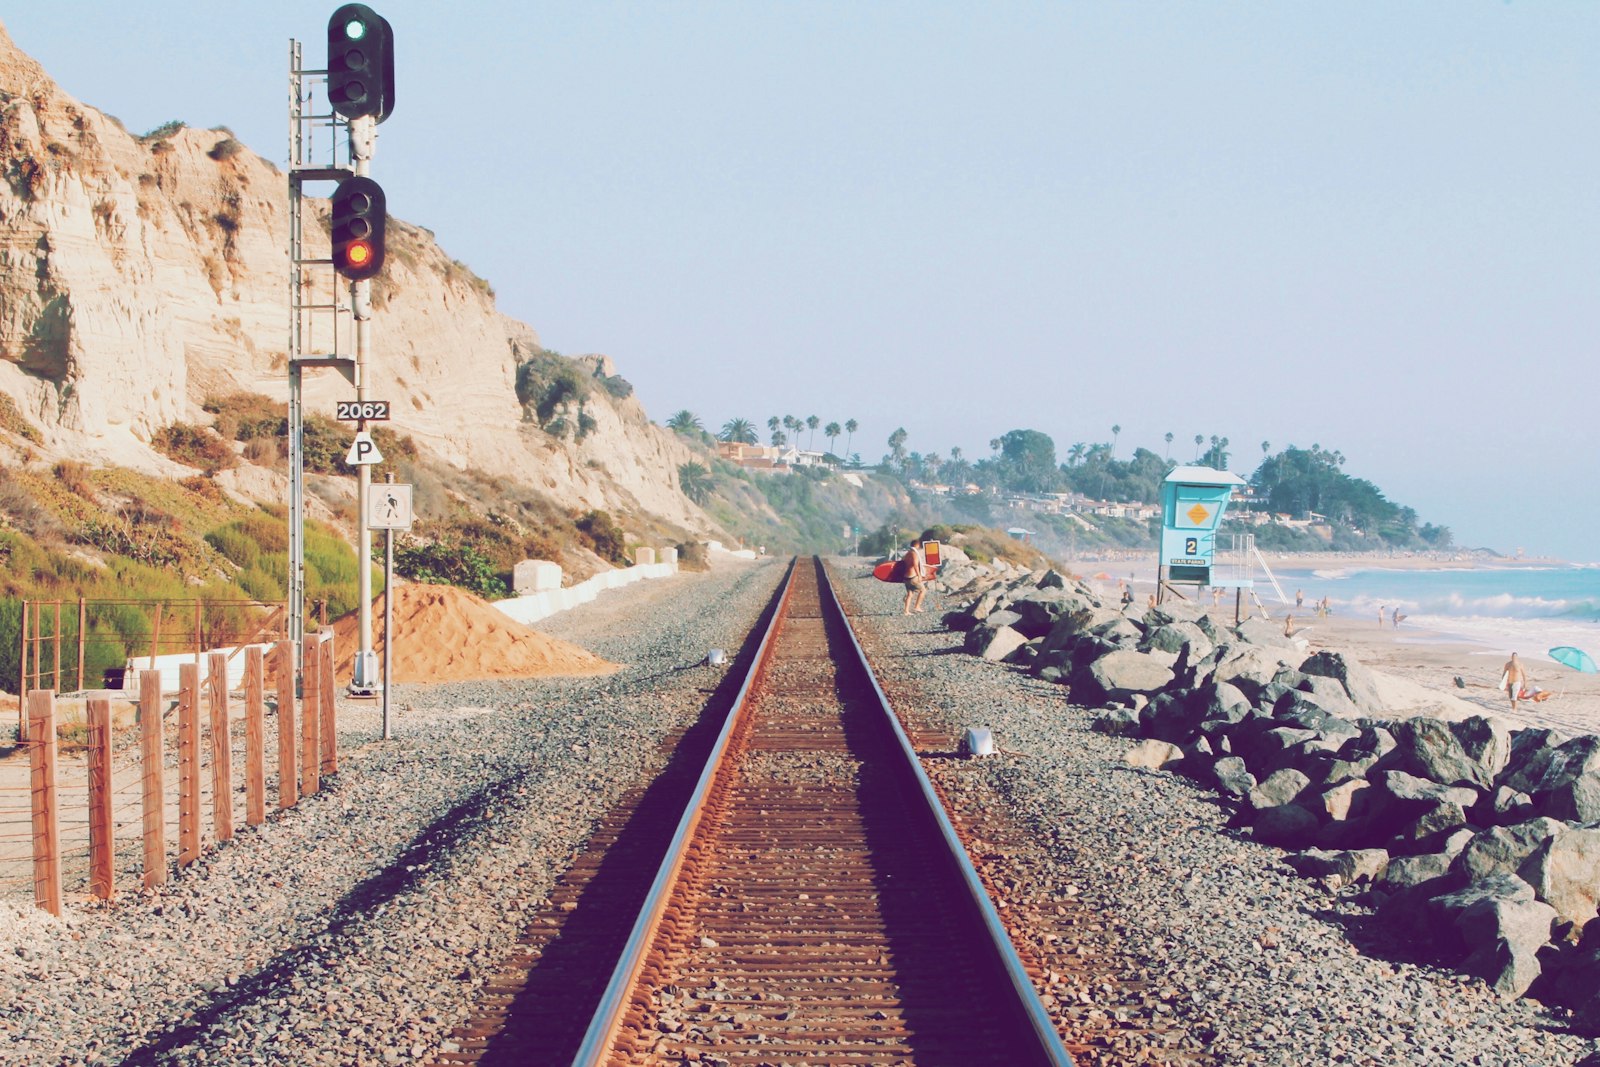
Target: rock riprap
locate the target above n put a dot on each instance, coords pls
(1479, 839)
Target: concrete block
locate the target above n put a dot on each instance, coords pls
(535, 576)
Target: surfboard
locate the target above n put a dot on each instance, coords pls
(884, 571)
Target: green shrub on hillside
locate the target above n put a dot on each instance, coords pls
(195, 446)
(448, 563)
(248, 416)
(604, 536)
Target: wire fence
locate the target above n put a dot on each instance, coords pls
(68, 645)
(139, 789)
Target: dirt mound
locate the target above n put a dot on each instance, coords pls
(445, 634)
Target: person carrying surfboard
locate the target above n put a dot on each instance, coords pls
(912, 570)
(1513, 678)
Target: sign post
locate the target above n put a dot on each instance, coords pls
(388, 508)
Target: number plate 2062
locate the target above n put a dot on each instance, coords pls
(357, 410)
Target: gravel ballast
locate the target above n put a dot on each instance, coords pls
(357, 927)
(1182, 940)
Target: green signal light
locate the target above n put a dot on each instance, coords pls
(355, 29)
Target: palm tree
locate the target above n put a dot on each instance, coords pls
(850, 428)
(1169, 446)
(739, 431)
(831, 432)
(897, 445)
(779, 438)
(812, 422)
(1076, 453)
(1266, 446)
(1199, 439)
(1116, 431)
(772, 423)
(695, 481)
(684, 421)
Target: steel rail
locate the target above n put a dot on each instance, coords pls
(608, 1016)
(1028, 997)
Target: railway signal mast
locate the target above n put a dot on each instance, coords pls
(360, 90)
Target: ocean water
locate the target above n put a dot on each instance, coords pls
(1502, 609)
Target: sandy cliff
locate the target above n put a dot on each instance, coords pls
(143, 275)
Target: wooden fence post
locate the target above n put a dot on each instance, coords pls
(22, 679)
(83, 624)
(101, 865)
(255, 763)
(330, 732)
(288, 790)
(46, 813)
(310, 702)
(188, 763)
(221, 749)
(154, 778)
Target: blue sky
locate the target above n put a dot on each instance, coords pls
(1370, 226)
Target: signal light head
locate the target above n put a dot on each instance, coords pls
(358, 213)
(360, 63)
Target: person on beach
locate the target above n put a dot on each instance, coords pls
(1383, 611)
(1322, 608)
(1288, 626)
(1397, 618)
(1299, 598)
(913, 568)
(1513, 679)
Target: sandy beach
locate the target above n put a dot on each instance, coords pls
(1412, 653)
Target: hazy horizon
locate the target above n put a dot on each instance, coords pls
(1365, 226)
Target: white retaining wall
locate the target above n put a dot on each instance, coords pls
(168, 666)
(536, 606)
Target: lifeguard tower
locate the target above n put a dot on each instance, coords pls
(1194, 499)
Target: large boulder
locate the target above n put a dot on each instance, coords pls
(1570, 787)
(1281, 788)
(1232, 777)
(1286, 826)
(1338, 869)
(1184, 639)
(1250, 668)
(1041, 609)
(1266, 633)
(1174, 611)
(1502, 849)
(1531, 753)
(1499, 926)
(1429, 749)
(1117, 676)
(1564, 870)
(1356, 680)
(1330, 696)
(1417, 814)
(1486, 741)
(1152, 754)
(1001, 644)
(1116, 722)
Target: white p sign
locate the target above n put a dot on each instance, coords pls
(363, 451)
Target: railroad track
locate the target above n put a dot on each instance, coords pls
(812, 907)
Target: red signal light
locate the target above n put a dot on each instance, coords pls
(358, 254)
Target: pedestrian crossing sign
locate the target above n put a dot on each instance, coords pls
(388, 506)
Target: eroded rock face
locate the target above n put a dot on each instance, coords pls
(146, 275)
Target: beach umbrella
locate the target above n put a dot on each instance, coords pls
(1575, 658)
